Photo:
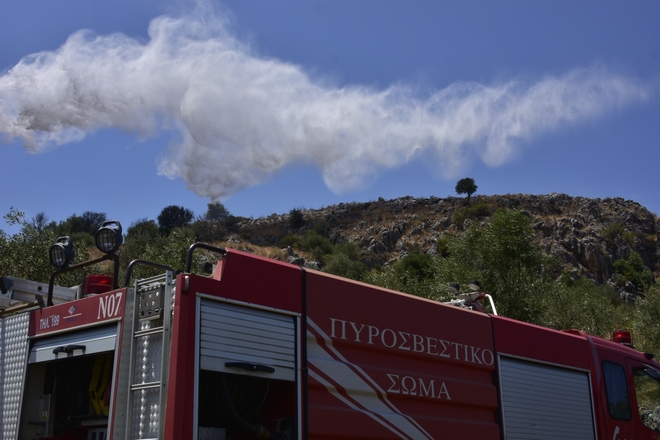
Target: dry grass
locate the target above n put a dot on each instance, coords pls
(245, 246)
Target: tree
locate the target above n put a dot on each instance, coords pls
(213, 226)
(217, 212)
(173, 217)
(89, 222)
(26, 253)
(504, 257)
(40, 222)
(142, 228)
(296, 218)
(169, 250)
(208, 231)
(466, 186)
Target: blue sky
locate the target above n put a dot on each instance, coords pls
(126, 107)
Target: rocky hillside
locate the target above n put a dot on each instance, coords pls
(588, 235)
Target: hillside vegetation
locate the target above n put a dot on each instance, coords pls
(555, 260)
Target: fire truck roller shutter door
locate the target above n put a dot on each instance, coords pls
(243, 340)
(90, 341)
(545, 402)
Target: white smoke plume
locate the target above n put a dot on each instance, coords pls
(242, 117)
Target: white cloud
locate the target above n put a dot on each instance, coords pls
(242, 117)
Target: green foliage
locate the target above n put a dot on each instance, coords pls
(142, 235)
(289, 239)
(214, 225)
(40, 222)
(170, 251)
(646, 324)
(321, 227)
(144, 242)
(89, 222)
(351, 250)
(504, 257)
(432, 285)
(296, 218)
(501, 254)
(466, 186)
(173, 217)
(25, 254)
(615, 230)
(315, 240)
(474, 212)
(84, 239)
(416, 266)
(318, 245)
(176, 248)
(581, 304)
(217, 212)
(345, 264)
(632, 269)
(142, 228)
(208, 231)
(231, 223)
(342, 259)
(522, 281)
(443, 247)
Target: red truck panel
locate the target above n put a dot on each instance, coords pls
(93, 309)
(388, 365)
(242, 277)
(250, 278)
(542, 344)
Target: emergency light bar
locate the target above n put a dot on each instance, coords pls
(97, 284)
(622, 337)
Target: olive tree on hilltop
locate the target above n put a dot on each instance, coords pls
(466, 186)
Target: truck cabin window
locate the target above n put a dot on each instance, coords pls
(617, 391)
(647, 389)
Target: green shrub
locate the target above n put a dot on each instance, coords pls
(289, 239)
(443, 247)
(632, 269)
(647, 324)
(208, 231)
(231, 223)
(344, 266)
(142, 227)
(83, 239)
(351, 250)
(473, 212)
(318, 245)
(414, 266)
(321, 227)
(582, 304)
(615, 230)
(296, 218)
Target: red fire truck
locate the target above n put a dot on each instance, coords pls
(265, 349)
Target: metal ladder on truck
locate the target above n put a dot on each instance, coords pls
(149, 357)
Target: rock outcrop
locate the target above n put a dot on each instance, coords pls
(587, 235)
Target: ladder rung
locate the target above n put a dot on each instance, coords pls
(149, 331)
(145, 386)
